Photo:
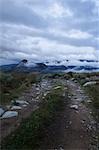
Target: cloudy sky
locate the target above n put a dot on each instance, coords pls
(47, 30)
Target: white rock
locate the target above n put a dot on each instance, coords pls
(61, 148)
(82, 121)
(1, 111)
(74, 107)
(9, 114)
(58, 87)
(70, 122)
(89, 83)
(16, 107)
(89, 101)
(22, 102)
(24, 105)
(72, 79)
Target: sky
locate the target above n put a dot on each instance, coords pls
(49, 30)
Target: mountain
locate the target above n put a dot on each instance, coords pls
(22, 66)
(44, 68)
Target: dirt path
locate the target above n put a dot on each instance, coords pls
(73, 129)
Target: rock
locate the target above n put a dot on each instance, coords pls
(89, 101)
(16, 108)
(70, 122)
(37, 88)
(19, 102)
(45, 94)
(61, 148)
(9, 114)
(1, 111)
(67, 127)
(24, 105)
(64, 94)
(72, 79)
(74, 107)
(89, 83)
(82, 121)
(58, 87)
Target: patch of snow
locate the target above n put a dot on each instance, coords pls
(9, 114)
(89, 83)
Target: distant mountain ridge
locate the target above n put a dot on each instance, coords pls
(42, 67)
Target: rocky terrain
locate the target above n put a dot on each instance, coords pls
(73, 127)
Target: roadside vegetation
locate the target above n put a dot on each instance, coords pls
(13, 84)
(31, 130)
(91, 90)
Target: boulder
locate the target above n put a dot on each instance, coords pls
(9, 114)
(1, 111)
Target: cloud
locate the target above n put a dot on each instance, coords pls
(57, 10)
(40, 31)
(73, 33)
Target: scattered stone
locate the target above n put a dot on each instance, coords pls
(24, 105)
(69, 96)
(64, 94)
(72, 79)
(82, 121)
(9, 114)
(37, 88)
(45, 94)
(75, 81)
(37, 98)
(74, 107)
(58, 87)
(16, 108)
(70, 122)
(1, 111)
(61, 148)
(67, 127)
(89, 83)
(89, 101)
(89, 127)
(20, 102)
(90, 112)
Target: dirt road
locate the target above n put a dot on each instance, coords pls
(74, 128)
